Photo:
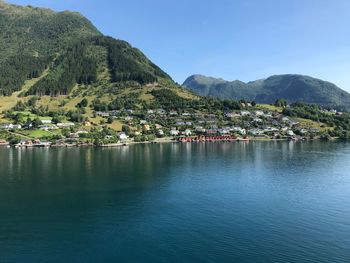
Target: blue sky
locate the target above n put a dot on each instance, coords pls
(232, 39)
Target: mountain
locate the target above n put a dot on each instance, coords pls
(290, 87)
(60, 50)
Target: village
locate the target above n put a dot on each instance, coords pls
(161, 125)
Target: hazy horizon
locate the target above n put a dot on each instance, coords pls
(231, 40)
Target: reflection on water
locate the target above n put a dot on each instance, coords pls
(205, 202)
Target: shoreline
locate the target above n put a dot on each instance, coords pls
(162, 141)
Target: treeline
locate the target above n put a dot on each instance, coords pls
(68, 69)
(17, 69)
(127, 63)
(124, 102)
(168, 99)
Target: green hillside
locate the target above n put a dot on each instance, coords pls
(290, 87)
(69, 49)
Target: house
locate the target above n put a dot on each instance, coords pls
(172, 112)
(270, 130)
(123, 136)
(6, 126)
(146, 128)
(161, 112)
(158, 126)
(74, 135)
(211, 131)
(239, 130)
(46, 121)
(259, 113)
(174, 132)
(48, 127)
(65, 125)
(245, 113)
(188, 132)
(150, 112)
(180, 123)
(314, 130)
(103, 114)
(160, 132)
(303, 131)
(290, 133)
(199, 129)
(232, 115)
(224, 131)
(143, 122)
(256, 132)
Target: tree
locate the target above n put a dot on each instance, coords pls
(281, 103)
(110, 119)
(56, 119)
(20, 106)
(37, 122)
(83, 103)
(126, 129)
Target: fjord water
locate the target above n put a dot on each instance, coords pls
(220, 202)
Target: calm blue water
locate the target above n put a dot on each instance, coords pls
(255, 202)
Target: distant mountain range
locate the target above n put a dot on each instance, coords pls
(290, 87)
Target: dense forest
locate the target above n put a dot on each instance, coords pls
(66, 43)
(30, 38)
(17, 69)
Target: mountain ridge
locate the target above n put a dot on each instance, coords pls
(292, 87)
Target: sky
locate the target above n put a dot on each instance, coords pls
(230, 39)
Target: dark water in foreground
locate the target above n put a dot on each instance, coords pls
(256, 202)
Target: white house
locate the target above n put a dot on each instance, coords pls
(188, 132)
(123, 136)
(46, 121)
(290, 133)
(245, 113)
(174, 132)
(65, 125)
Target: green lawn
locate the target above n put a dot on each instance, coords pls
(37, 134)
(28, 114)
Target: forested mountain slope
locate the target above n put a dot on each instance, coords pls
(290, 87)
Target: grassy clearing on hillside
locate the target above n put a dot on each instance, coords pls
(309, 124)
(270, 107)
(116, 125)
(36, 134)
(33, 116)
